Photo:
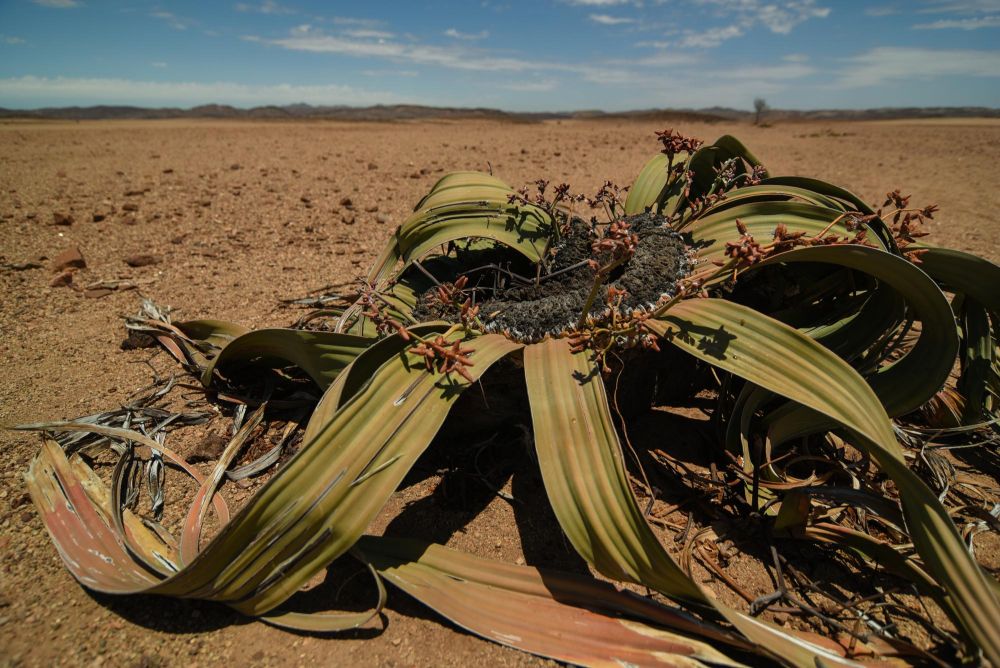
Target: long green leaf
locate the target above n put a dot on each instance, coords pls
(559, 615)
(322, 355)
(581, 463)
(785, 361)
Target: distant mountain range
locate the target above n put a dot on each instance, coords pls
(399, 112)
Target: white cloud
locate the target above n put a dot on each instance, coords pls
(368, 33)
(353, 21)
(58, 4)
(605, 19)
(961, 24)
(766, 72)
(390, 73)
(796, 58)
(13, 40)
(710, 38)
(782, 18)
(530, 86)
(886, 10)
(467, 36)
(965, 7)
(171, 20)
(886, 64)
(598, 3)
(159, 64)
(306, 38)
(266, 7)
(19, 91)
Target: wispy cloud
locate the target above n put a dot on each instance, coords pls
(741, 16)
(530, 86)
(598, 3)
(707, 39)
(159, 64)
(608, 20)
(368, 33)
(961, 24)
(390, 73)
(172, 20)
(60, 90)
(266, 7)
(884, 10)
(467, 36)
(352, 21)
(58, 4)
(887, 64)
(964, 7)
(307, 38)
(12, 40)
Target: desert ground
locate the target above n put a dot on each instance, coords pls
(237, 216)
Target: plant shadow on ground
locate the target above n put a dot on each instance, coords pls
(487, 443)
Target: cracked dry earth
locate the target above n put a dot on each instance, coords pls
(224, 219)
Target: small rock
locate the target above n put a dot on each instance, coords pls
(137, 340)
(372, 166)
(347, 203)
(22, 266)
(209, 449)
(204, 202)
(424, 171)
(71, 258)
(130, 206)
(347, 219)
(381, 219)
(31, 215)
(179, 239)
(234, 166)
(141, 260)
(168, 170)
(64, 279)
(305, 199)
(415, 175)
(99, 216)
(133, 193)
(97, 293)
(59, 218)
(129, 220)
(372, 209)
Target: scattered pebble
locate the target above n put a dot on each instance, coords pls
(59, 218)
(141, 260)
(71, 258)
(97, 293)
(381, 219)
(210, 448)
(65, 279)
(347, 203)
(130, 206)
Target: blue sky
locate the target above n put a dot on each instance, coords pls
(511, 54)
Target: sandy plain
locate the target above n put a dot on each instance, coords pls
(239, 215)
